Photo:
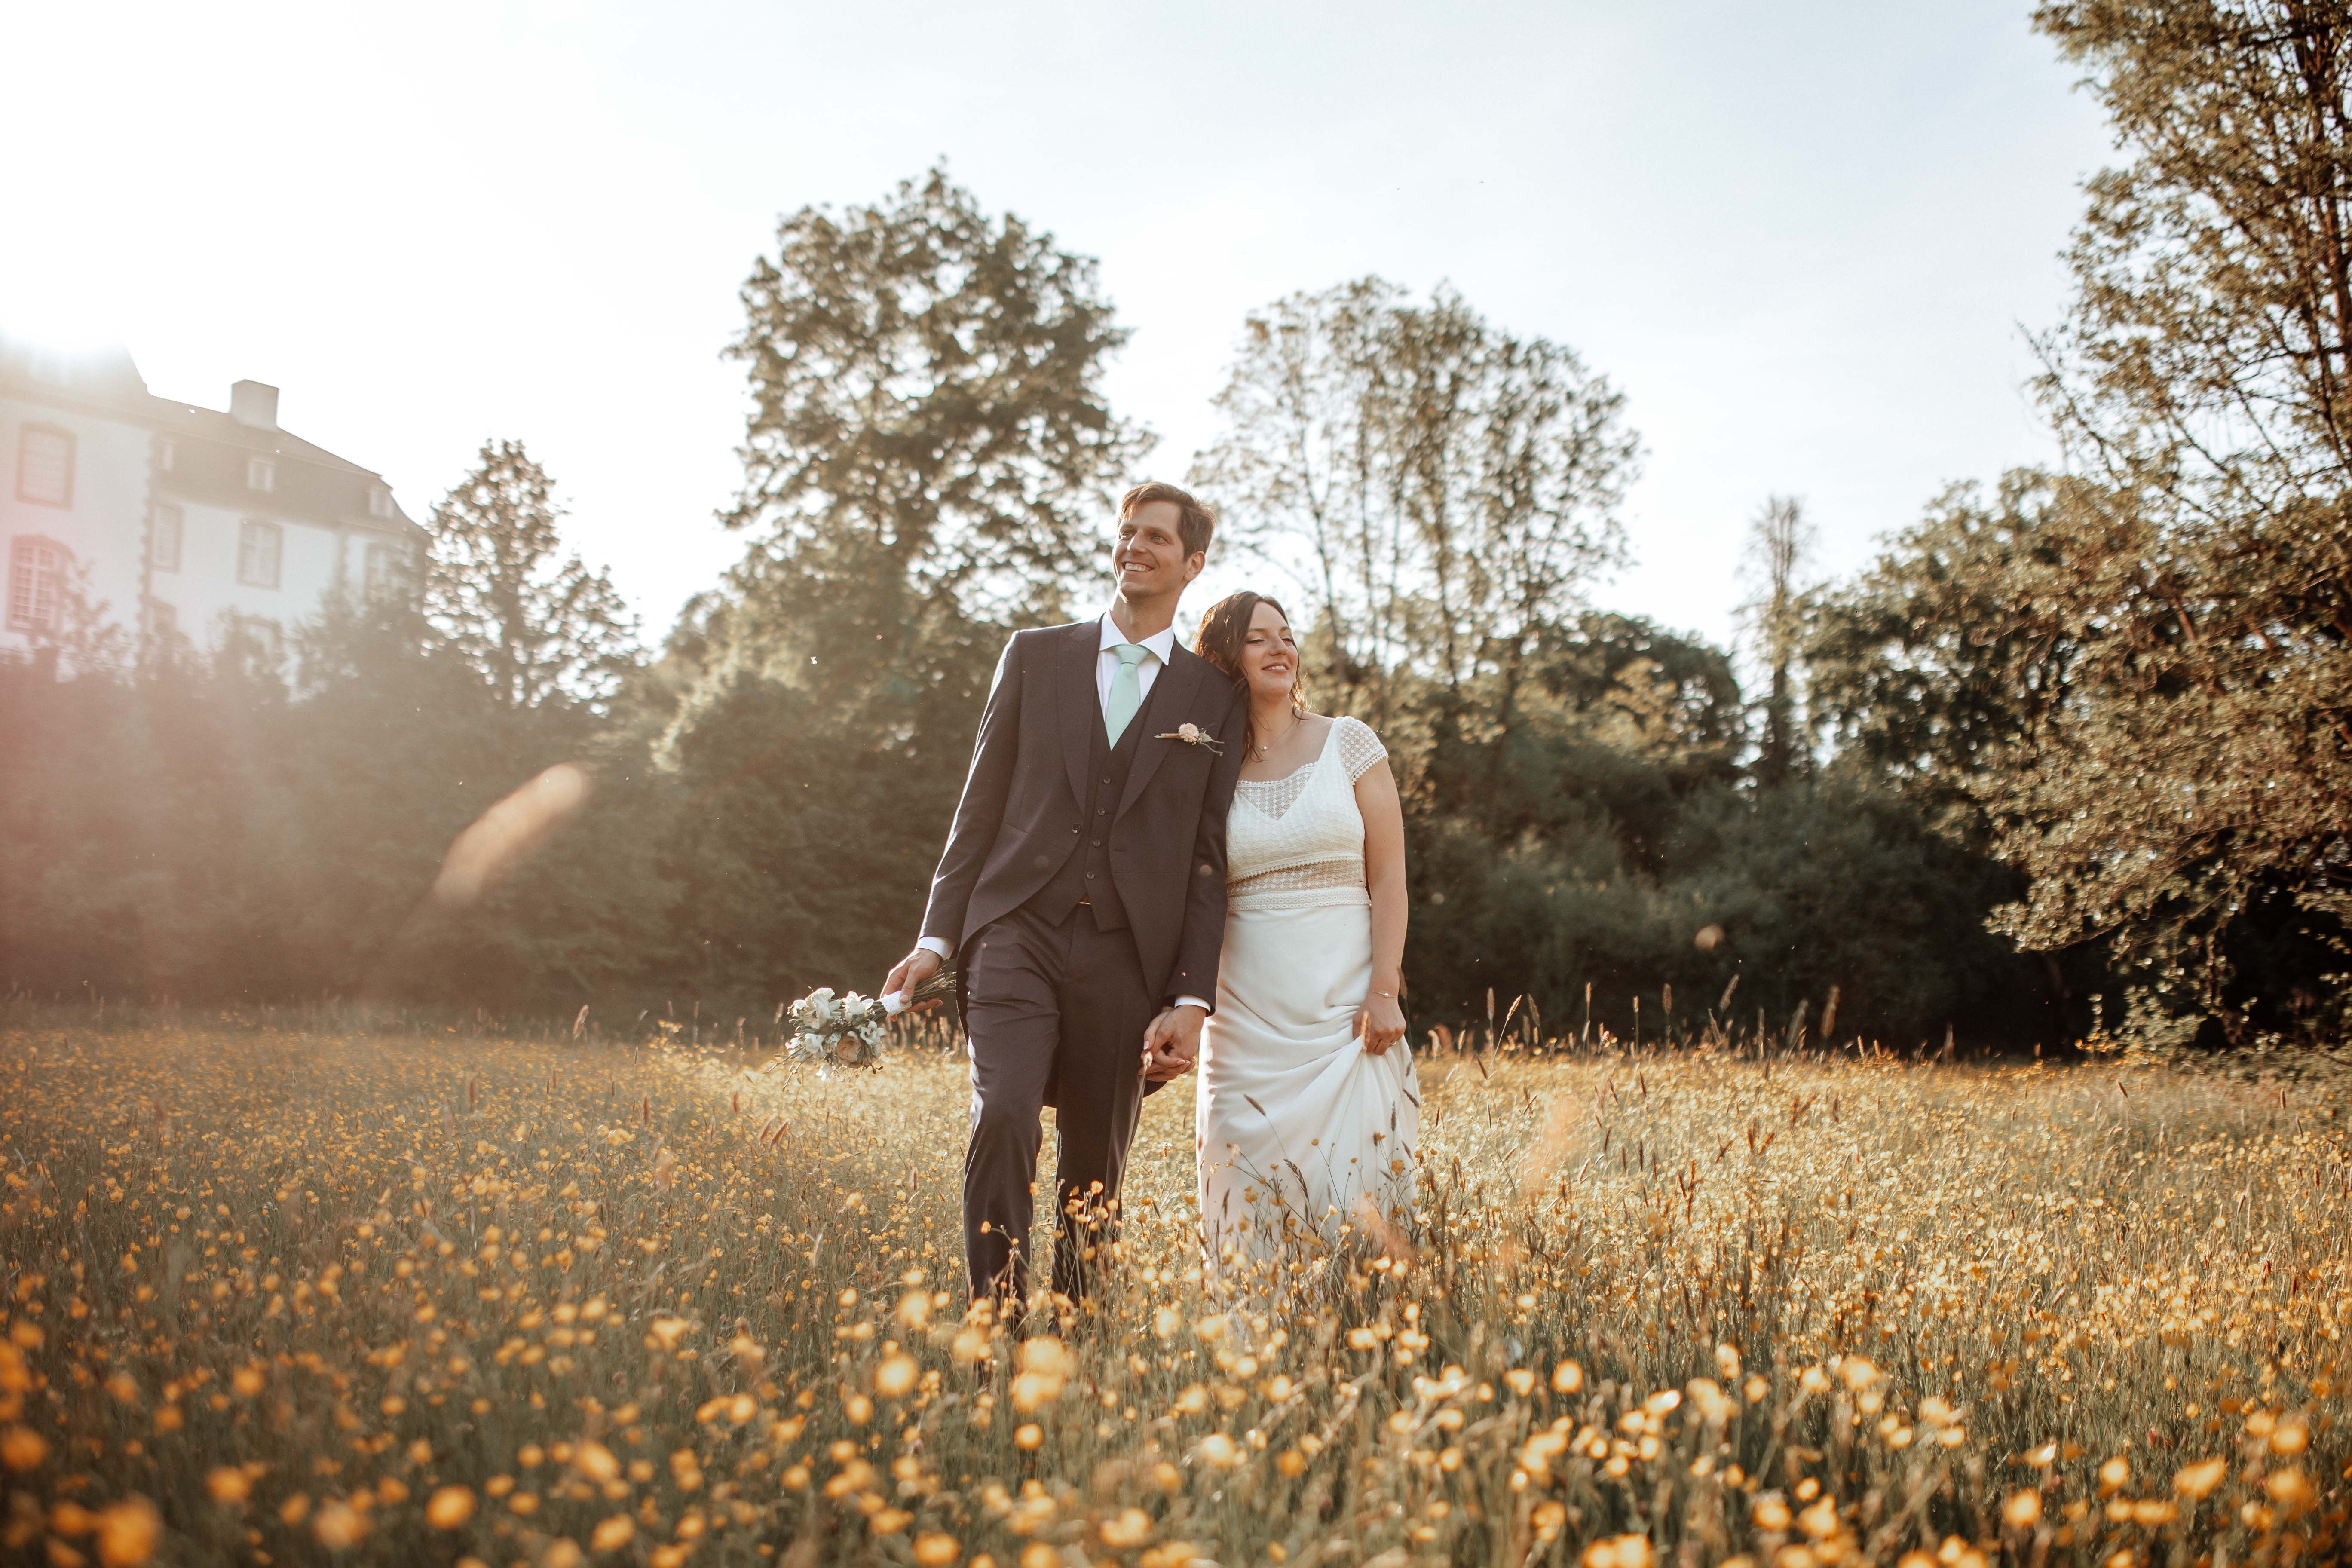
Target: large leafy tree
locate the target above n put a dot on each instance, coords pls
(2197, 785)
(1931, 674)
(1447, 491)
(1933, 667)
(537, 626)
(1301, 470)
(928, 417)
(930, 459)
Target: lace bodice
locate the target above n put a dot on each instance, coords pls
(1298, 841)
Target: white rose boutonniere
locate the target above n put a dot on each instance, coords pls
(1194, 735)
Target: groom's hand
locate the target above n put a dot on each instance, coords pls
(913, 970)
(1171, 1041)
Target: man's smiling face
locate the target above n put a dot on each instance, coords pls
(1147, 557)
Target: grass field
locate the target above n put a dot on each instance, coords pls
(278, 1295)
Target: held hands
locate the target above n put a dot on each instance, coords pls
(1170, 1042)
(1380, 1023)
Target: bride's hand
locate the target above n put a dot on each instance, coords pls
(1380, 1023)
(1171, 1042)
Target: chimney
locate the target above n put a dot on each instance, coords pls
(251, 403)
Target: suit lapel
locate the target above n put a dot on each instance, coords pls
(1074, 674)
(1172, 693)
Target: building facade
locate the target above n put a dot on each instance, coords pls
(170, 520)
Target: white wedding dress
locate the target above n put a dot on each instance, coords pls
(1295, 1124)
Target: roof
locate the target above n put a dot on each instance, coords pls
(210, 449)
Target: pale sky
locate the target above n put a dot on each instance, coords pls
(1804, 238)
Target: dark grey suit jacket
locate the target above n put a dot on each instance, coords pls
(1023, 800)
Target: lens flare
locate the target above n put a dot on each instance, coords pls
(510, 833)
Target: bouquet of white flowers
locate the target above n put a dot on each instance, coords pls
(847, 1030)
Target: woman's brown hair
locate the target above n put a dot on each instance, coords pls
(1223, 629)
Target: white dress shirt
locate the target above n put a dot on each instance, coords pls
(1162, 646)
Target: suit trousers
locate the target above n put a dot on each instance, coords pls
(1054, 1012)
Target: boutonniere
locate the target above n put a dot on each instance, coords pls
(1194, 735)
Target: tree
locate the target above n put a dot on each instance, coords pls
(2207, 357)
(536, 631)
(1300, 471)
(1931, 670)
(930, 451)
(1625, 832)
(2199, 781)
(1445, 490)
(392, 754)
(1621, 722)
(1780, 544)
(930, 461)
(1548, 461)
(929, 415)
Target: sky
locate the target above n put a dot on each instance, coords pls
(1807, 240)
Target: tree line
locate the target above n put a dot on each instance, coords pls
(2068, 759)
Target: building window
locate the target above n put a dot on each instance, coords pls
(379, 502)
(387, 569)
(44, 466)
(260, 474)
(258, 547)
(36, 582)
(167, 455)
(164, 554)
(162, 620)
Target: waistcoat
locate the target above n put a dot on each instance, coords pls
(1086, 873)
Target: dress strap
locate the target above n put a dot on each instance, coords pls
(1330, 738)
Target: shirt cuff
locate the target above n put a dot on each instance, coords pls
(1192, 1001)
(932, 945)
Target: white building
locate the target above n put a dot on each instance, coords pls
(174, 519)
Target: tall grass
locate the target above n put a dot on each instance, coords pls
(283, 1294)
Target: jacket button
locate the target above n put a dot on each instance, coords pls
(1098, 843)
(1090, 875)
(1105, 778)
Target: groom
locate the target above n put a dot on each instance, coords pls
(1082, 894)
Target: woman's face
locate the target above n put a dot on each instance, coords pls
(1270, 654)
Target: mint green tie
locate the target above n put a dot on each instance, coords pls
(1126, 689)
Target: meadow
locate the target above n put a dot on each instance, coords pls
(281, 1291)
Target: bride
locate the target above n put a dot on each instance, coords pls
(1307, 1111)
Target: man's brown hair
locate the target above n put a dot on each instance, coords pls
(1196, 524)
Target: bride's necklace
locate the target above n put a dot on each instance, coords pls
(1264, 751)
